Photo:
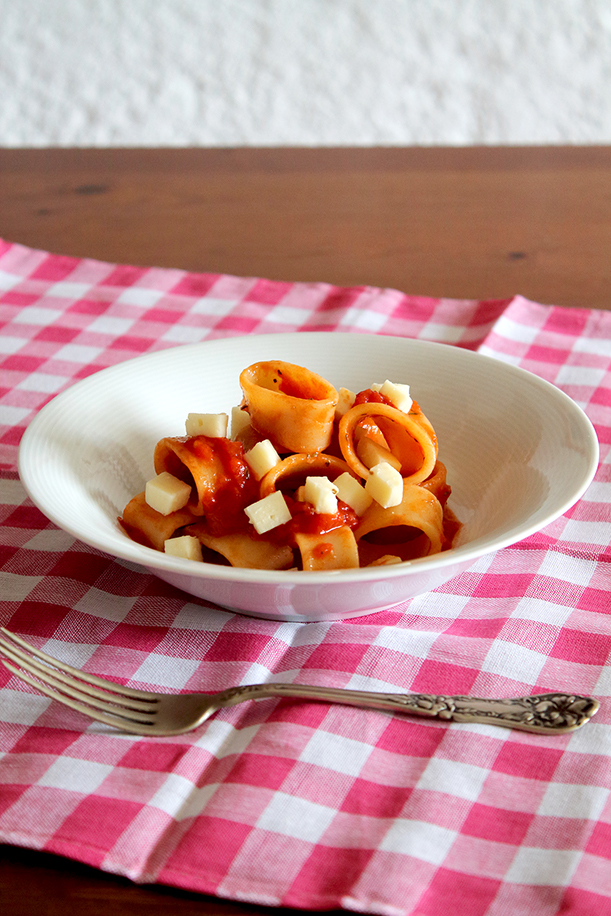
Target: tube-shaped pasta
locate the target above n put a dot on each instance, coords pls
(410, 438)
(149, 527)
(437, 483)
(240, 549)
(336, 549)
(397, 530)
(292, 406)
(216, 469)
(296, 467)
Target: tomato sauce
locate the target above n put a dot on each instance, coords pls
(234, 485)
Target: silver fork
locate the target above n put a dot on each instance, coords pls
(142, 713)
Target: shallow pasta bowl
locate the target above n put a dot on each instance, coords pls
(518, 451)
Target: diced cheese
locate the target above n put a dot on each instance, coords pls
(207, 424)
(166, 493)
(398, 395)
(261, 458)
(269, 512)
(186, 546)
(322, 494)
(344, 401)
(351, 492)
(240, 419)
(385, 485)
(371, 454)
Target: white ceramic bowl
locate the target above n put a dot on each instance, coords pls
(518, 451)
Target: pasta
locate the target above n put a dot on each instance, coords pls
(311, 478)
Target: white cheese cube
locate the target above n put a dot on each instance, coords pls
(344, 401)
(322, 494)
(269, 512)
(166, 493)
(371, 454)
(351, 492)
(261, 458)
(240, 419)
(398, 395)
(385, 485)
(207, 424)
(186, 546)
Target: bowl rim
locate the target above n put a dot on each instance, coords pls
(154, 560)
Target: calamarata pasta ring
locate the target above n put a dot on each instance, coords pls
(417, 451)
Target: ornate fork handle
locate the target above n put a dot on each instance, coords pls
(546, 713)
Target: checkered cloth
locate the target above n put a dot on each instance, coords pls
(294, 803)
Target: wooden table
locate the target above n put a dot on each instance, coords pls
(466, 223)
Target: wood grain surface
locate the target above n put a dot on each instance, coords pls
(463, 223)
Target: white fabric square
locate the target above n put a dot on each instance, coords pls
(418, 839)
(9, 345)
(22, 708)
(286, 314)
(543, 611)
(413, 642)
(111, 325)
(569, 569)
(503, 357)
(42, 381)
(221, 739)
(66, 290)
(603, 684)
(76, 654)
(184, 334)
(511, 330)
(296, 817)
(53, 540)
(179, 798)
(74, 353)
(368, 321)
(599, 491)
(17, 588)
(194, 617)
(513, 661)
(580, 375)
(256, 674)
(211, 306)
(587, 532)
(11, 492)
(462, 780)
(38, 316)
(12, 416)
(571, 800)
(335, 752)
(439, 604)
(554, 867)
(8, 281)
(286, 632)
(443, 333)
(599, 346)
(166, 671)
(136, 295)
(74, 775)
(595, 739)
(105, 605)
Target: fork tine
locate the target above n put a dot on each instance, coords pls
(88, 698)
(121, 722)
(16, 643)
(90, 694)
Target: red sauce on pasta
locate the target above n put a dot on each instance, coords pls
(224, 503)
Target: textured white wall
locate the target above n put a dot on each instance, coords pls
(304, 72)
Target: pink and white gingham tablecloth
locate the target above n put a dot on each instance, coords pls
(291, 803)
